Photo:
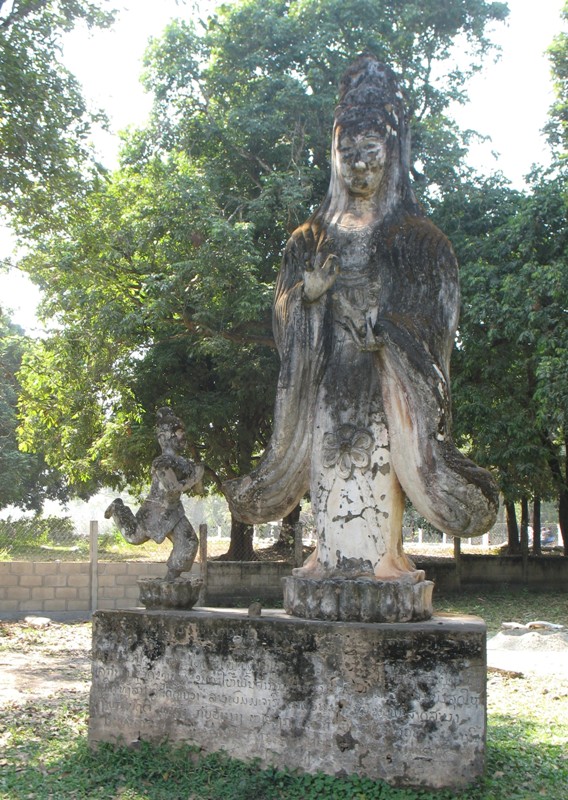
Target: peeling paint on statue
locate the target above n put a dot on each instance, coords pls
(365, 315)
(162, 514)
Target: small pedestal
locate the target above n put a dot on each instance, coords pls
(404, 703)
(159, 593)
(358, 600)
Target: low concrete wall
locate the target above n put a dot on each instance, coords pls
(44, 586)
(240, 582)
(27, 586)
(538, 572)
(65, 586)
(234, 582)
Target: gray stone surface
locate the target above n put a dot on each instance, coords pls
(179, 593)
(162, 515)
(401, 702)
(362, 599)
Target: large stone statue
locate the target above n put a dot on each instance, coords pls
(162, 514)
(365, 314)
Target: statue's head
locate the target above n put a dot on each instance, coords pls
(370, 147)
(370, 98)
(170, 430)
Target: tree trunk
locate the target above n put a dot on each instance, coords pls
(457, 559)
(561, 482)
(524, 526)
(563, 517)
(288, 529)
(537, 547)
(514, 542)
(240, 548)
(563, 504)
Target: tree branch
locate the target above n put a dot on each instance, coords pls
(18, 12)
(232, 336)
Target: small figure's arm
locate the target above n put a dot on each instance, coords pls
(164, 469)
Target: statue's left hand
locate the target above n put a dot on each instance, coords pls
(320, 279)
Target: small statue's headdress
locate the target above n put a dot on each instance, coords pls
(165, 416)
(369, 95)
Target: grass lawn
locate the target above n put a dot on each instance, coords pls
(44, 753)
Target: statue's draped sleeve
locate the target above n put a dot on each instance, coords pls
(417, 324)
(281, 479)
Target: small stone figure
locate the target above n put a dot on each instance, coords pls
(255, 609)
(162, 514)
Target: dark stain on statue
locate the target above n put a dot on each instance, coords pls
(153, 648)
(345, 741)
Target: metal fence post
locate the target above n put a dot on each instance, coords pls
(94, 563)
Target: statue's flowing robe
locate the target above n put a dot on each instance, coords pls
(414, 327)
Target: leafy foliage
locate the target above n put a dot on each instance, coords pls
(147, 275)
(510, 391)
(25, 479)
(44, 122)
(557, 127)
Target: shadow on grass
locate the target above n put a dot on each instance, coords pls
(45, 755)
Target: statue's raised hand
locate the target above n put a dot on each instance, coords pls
(321, 277)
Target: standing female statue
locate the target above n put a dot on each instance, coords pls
(365, 315)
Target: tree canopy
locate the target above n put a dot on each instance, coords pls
(44, 120)
(25, 479)
(557, 127)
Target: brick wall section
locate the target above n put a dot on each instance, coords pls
(44, 586)
(117, 582)
(32, 586)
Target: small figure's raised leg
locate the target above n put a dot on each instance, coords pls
(185, 544)
(126, 522)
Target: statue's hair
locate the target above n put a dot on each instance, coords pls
(369, 94)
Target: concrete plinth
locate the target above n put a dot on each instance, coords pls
(159, 593)
(358, 600)
(404, 703)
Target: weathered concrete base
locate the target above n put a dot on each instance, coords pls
(358, 600)
(404, 703)
(159, 593)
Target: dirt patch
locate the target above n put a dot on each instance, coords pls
(541, 651)
(39, 659)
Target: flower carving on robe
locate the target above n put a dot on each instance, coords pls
(347, 449)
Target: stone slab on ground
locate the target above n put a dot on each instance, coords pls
(405, 703)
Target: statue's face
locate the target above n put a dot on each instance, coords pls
(170, 438)
(362, 159)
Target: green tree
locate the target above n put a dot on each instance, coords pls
(161, 285)
(25, 479)
(130, 338)
(44, 121)
(508, 375)
(557, 127)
